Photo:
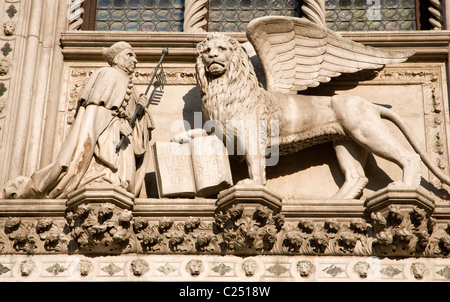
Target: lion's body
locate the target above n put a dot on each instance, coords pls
(306, 121)
(353, 124)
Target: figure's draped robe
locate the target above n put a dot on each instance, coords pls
(88, 153)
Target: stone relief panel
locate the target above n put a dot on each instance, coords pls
(426, 91)
(213, 268)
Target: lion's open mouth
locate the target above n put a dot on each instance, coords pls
(216, 68)
(216, 63)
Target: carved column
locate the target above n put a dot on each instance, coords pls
(314, 11)
(436, 10)
(194, 15)
(75, 13)
(25, 97)
(11, 41)
(49, 135)
(446, 10)
(39, 81)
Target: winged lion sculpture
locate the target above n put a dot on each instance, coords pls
(295, 55)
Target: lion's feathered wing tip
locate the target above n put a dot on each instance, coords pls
(297, 54)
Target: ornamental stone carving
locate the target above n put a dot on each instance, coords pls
(27, 267)
(85, 267)
(100, 229)
(195, 267)
(139, 267)
(9, 27)
(362, 269)
(5, 67)
(250, 267)
(419, 270)
(305, 268)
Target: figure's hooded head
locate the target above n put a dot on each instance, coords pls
(110, 52)
(120, 54)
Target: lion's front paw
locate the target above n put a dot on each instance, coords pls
(249, 181)
(181, 138)
(400, 185)
(246, 181)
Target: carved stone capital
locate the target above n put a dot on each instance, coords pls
(251, 196)
(403, 198)
(102, 194)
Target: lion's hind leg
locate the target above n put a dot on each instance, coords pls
(363, 122)
(351, 158)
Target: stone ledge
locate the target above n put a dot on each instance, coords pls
(32, 207)
(173, 207)
(87, 45)
(202, 207)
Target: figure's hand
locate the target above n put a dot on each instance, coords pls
(142, 100)
(125, 129)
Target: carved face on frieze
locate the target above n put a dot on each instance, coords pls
(216, 52)
(9, 27)
(5, 66)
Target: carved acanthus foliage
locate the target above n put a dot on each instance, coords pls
(191, 236)
(404, 233)
(104, 229)
(109, 230)
(331, 238)
(37, 237)
(249, 234)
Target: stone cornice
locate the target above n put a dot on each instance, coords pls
(87, 45)
(201, 207)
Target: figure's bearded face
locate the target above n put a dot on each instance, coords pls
(216, 56)
(126, 60)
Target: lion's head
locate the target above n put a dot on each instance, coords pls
(227, 82)
(215, 52)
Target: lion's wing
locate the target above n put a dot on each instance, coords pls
(297, 54)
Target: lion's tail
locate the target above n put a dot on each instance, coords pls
(398, 121)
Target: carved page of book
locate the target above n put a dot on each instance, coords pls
(174, 171)
(199, 168)
(210, 165)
